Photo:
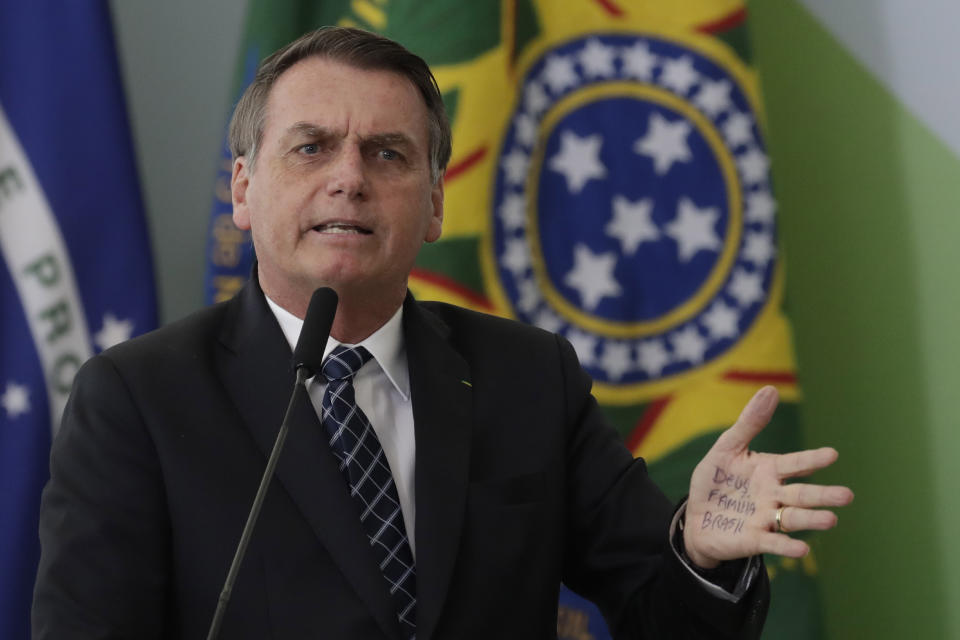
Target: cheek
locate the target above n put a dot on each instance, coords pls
(271, 218)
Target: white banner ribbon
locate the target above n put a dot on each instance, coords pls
(38, 261)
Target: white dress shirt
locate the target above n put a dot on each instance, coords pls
(382, 388)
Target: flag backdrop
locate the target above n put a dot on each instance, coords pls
(76, 275)
(609, 182)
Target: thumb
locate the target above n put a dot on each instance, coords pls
(752, 420)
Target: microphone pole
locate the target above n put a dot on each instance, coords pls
(307, 358)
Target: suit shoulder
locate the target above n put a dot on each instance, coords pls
(188, 335)
(462, 320)
(481, 335)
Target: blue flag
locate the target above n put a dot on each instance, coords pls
(76, 275)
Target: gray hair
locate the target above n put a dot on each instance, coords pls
(354, 47)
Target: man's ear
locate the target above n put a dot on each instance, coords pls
(436, 218)
(239, 182)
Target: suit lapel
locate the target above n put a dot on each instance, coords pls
(258, 374)
(442, 416)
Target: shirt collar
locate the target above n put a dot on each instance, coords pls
(386, 344)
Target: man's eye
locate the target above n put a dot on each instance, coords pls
(389, 154)
(310, 149)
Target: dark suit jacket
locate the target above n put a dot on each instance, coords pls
(519, 485)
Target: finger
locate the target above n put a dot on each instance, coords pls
(802, 463)
(754, 417)
(782, 545)
(814, 495)
(797, 519)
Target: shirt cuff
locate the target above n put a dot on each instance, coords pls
(745, 579)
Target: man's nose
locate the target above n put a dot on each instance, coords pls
(347, 175)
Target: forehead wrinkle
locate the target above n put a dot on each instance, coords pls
(308, 129)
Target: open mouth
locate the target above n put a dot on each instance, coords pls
(342, 228)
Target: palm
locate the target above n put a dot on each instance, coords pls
(735, 494)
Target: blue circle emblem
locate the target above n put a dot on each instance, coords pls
(632, 206)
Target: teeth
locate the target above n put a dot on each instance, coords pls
(340, 228)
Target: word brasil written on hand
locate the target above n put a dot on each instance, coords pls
(742, 504)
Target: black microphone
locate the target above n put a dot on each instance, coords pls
(307, 359)
(316, 328)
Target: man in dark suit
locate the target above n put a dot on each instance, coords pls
(504, 478)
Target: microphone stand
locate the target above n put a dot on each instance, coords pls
(303, 373)
(307, 358)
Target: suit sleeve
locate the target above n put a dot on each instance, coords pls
(618, 554)
(104, 532)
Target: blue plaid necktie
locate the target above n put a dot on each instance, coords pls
(365, 467)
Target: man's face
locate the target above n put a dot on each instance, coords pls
(341, 193)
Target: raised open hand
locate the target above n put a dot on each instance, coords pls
(739, 505)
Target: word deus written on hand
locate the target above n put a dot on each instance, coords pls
(731, 496)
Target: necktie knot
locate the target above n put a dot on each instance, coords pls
(343, 362)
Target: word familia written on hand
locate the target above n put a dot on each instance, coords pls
(732, 494)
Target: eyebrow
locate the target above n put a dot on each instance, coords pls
(305, 129)
(387, 139)
(310, 130)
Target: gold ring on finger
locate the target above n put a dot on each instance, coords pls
(780, 527)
